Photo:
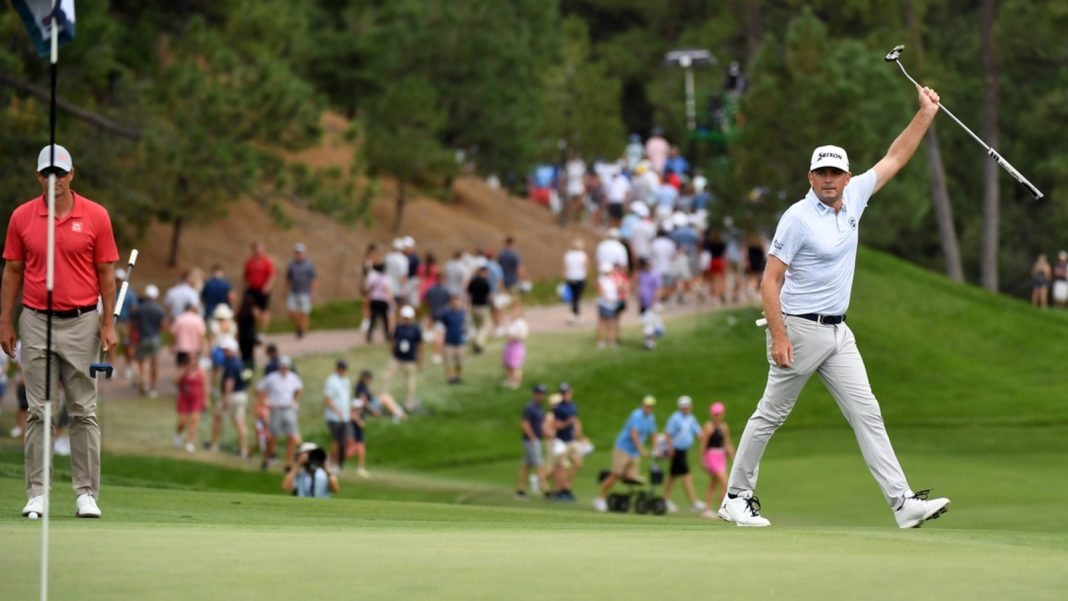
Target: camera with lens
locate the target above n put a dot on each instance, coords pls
(316, 459)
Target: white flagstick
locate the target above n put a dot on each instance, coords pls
(50, 284)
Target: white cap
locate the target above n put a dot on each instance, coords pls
(398, 243)
(63, 160)
(222, 311)
(640, 209)
(829, 156)
(299, 247)
(306, 447)
(685, 401)
(408, 241)
(151, 291)
(285, 361)
(407, 312)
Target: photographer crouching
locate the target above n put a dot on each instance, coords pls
(310, 478)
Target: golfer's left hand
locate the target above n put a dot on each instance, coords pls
(928, 98)
(108, 337)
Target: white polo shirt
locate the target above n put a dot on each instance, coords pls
(280, 389)
(820, 249)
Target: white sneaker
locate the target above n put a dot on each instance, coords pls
(743, 510)
(698, 506)
(361, 472)
(672, 508)
(85, 507)
(34, 505)
(916, 509)
(190, 447)
(600, 504)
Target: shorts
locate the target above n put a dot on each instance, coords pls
(680, 466)
(1060, 291)
(716, 461)
(454, 356)
(625, 465)
(283, 422)
(218, 357)
(122, 329)
(607, 312)
(260, 299)
(148, 347)
(357, 431)
(532, 453)
(566, 454)
(717, 266)
(235, 408)
(615, 210)
(339, 431)
(299, 302)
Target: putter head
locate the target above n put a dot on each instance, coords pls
(894, 54)
(106, 368)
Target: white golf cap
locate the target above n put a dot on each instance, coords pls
(408, 241)
(222, 311)
(398, 243)
(63, 160)
(685, 401)
(640, 209)
(299, 247)
(306, 447)
(407, 312)
(829, 156)
(285, 361)
(151, 291)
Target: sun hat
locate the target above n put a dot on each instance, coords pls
(649, 401)
(685, 401)
(63, 160)
(829, 156)
(222, 311)
(717, 408)
(407, 312)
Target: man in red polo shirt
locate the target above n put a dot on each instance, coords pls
(85, 253)
(259, 277)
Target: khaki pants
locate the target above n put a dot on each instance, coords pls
(480, 322)
(75, 344)
(830, 351)
(410, 369)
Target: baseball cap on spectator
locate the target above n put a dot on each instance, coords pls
(564, 387)
(407, 312)
(398, 243)
(299, 247)
(408, 241)
(649, 400)
(829, 156)
(538, 389)
(640, 209)
(285, 361)
(306, 447)
(366, 374)
(685, 401)
(341, 364)
(63, 160)
(222, 311)
(717, 408)
(151, 291)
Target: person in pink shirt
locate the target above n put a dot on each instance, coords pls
(657, 150)
(187, 335)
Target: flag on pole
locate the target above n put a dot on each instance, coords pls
(38, 15)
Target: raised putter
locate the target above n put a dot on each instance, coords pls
(103, 366)
(894, 55)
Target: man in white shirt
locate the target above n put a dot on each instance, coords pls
(806, 290)
(617, 196)
(280, 391)
(337, 404)
(183, 294)
(397, 271)
(611, 250)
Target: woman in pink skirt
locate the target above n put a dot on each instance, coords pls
(515, 349)
(716, 451)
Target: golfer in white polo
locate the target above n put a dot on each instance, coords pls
(806, 290)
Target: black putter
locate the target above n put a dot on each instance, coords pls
(892, 57)
(103, 366)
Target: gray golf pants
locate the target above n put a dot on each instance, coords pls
(830, 351)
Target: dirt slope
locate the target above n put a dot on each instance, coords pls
(477, 216)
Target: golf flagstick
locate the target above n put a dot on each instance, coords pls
(892, 57)
(104, 366)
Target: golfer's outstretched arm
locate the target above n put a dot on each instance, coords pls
(909, 140)
(9, 293)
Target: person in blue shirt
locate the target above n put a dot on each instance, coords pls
(532, 425)
(233, 397)
(629, 449)
(454, 320)
(681, 430)
(310, 477)
(217, 290)
(567, 452)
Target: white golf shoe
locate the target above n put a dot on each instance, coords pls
(743, 510)
(672, 508)
(600, 504)
(34, 505)
(917, 509)
(85, 507)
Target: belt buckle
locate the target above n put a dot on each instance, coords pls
(819, 319)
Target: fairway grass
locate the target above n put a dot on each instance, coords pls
(179, 545)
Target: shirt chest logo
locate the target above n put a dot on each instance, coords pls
(853, 223)
(76, 226)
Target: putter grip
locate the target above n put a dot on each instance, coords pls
(133, 257)
(122, 298)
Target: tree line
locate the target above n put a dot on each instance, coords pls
(174, 109)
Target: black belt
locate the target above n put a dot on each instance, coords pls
(66, 313)
(827, 320)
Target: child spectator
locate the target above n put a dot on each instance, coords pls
(407, 356)
(191, 398)
(454, 321)
(515, 349)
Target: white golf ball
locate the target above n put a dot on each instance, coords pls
(33, 515)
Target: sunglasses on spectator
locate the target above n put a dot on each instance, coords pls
(59, 173)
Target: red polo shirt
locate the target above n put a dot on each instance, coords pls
(83, 239)
(257, 271)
